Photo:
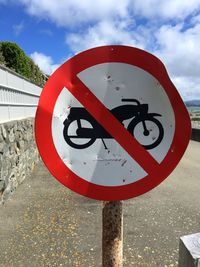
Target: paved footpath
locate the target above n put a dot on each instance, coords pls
(44, 224)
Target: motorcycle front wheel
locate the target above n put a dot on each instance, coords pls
(149, 138)
(71, 137)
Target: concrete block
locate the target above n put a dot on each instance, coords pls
(189, 251)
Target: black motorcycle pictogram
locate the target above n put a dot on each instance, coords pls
(138, 111)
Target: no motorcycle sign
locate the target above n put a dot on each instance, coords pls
(110, 124)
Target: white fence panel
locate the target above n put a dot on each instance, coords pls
(18, 97)
(3, 77)
(14, 81)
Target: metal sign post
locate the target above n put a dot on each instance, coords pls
(112, 234)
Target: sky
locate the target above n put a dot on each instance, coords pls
(51, 31)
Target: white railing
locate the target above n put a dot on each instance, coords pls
(18, 96)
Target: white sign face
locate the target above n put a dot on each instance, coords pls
(137, 100)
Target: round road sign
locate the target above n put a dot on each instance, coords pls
(110, 124)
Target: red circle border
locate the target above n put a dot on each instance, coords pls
(65, 75)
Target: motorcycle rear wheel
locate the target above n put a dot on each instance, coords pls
(156, 140)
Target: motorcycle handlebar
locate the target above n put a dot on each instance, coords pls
(130, 100)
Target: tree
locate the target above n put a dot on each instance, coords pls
(13, 57)
(2, 59)
(36, 74)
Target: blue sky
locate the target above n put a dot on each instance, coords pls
(51, 31)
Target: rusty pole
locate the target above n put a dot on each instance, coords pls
(112, 234)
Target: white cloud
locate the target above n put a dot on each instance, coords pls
(188, 87)
(47, 32)
(18, 28)
(196, 19)
(179, 50)
(171, 9)
(73, 12)
(155, 25)
(44, 62)
(105, 32)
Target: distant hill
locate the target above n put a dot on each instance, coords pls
(192, 103)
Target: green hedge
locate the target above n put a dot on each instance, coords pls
(2, 59)
(13, 57)
(195, 119)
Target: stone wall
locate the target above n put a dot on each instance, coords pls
(18, 154)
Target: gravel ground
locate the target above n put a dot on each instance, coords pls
(45, 224)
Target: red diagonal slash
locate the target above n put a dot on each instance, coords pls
(112, 125)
